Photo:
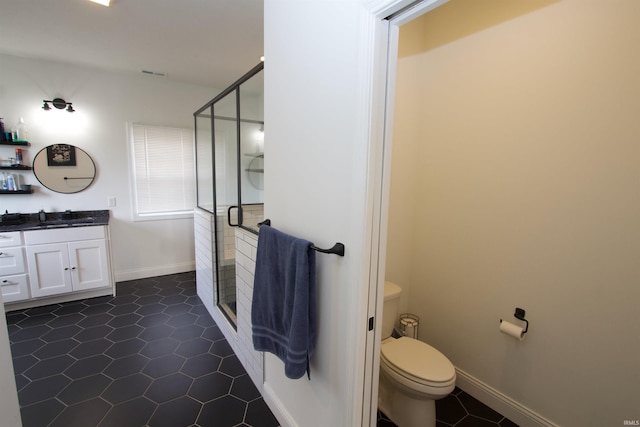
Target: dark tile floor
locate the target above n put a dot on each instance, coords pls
(460, 410)
(151, 356)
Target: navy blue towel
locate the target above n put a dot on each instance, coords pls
(283, 310)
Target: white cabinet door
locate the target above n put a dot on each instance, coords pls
(49, 269)
(89, 264)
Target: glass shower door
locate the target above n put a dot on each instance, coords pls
(230, 171)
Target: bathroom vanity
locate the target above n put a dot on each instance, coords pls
(55, 258)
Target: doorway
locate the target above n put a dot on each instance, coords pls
(483, 173)
(391, 18)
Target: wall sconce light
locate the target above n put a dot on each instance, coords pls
(59, 103)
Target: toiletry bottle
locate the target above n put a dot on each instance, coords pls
(3, 181)
(20, 132)
(18, 156)
(11, 183)
(2, 135)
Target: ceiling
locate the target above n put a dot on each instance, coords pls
(204, 42)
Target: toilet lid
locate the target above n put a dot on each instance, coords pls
(418, 359)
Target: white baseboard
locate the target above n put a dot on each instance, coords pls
(499, 402)
(276, 406)
(55, 299)
(160, 270)
(486, 394)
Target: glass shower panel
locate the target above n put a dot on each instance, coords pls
(225, 144)
(252, 150)
(204, 161)
(230, 173)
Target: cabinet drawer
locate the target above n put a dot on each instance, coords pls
(11, 261)
(69, 234)
(14, 288)
(11, 238)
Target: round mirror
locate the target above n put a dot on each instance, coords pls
(64, 168)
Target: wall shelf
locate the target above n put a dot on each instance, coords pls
(16, 192)
(16, 143)
(17, 168)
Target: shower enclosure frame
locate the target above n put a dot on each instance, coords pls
(209, 193)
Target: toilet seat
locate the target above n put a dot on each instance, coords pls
(418, 362)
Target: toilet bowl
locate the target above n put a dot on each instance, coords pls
(418, 368)
(413, 374)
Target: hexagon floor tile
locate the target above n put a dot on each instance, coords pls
(151, 356)
(460, 410)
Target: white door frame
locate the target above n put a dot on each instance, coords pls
(389, 16)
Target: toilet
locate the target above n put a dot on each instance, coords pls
(413, 375)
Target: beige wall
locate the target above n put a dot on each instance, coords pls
(516, 182)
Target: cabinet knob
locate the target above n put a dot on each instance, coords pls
(5, 281)
(73, 268)
(66, 268)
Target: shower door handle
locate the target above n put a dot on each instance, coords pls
(239, 216)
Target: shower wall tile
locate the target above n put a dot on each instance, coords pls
(246, 244)
(252, 215)
(205, 277)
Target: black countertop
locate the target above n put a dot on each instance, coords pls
(31, 221)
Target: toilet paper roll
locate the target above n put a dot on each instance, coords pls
(512, 330)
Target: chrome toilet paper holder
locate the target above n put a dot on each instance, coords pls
(519, 314)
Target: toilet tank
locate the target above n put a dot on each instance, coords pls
(390, 308)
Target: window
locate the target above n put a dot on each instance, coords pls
(162, 171)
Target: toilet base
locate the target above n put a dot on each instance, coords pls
(404, 410)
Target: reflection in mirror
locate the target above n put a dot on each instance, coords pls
(64, 168)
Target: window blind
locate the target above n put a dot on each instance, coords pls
(163, 170)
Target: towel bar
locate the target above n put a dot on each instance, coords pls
(337, 249)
